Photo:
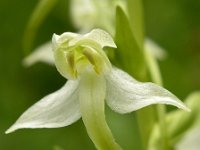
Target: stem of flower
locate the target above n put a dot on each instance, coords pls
(39, 14)
(92, 101)
(162, 123)
(161, 109)
(145, 119)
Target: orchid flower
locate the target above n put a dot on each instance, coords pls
(92, 81)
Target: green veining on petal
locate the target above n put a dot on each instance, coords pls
(91, 95)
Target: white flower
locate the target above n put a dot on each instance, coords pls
(91, 80)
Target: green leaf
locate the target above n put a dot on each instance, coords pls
(39, 14)
(135, 11)
(129, 55)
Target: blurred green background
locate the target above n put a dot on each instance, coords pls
(175, 25)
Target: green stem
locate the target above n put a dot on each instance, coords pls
(145, 119)
(92, 101)
(39, 14)
(161, 109)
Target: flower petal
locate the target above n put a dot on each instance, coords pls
(125, 94)
(91, 96)
(96, 36)
(42, 54)
(58, 109)
(101, 37)
(64, 38)
(63, 66)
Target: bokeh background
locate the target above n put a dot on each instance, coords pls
(175, 25)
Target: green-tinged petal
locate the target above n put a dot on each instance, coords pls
(96, 36)
(125, 94)
(63, 39)
(190, 140)
(92, 94)
(101, 37)
(95, 58)
(41, 54)
(63, 64)
(58, 109)
(62, 55)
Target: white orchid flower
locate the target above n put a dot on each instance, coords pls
(92, 81)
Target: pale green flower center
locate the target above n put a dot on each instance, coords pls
(79, 58)
(84, 57)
